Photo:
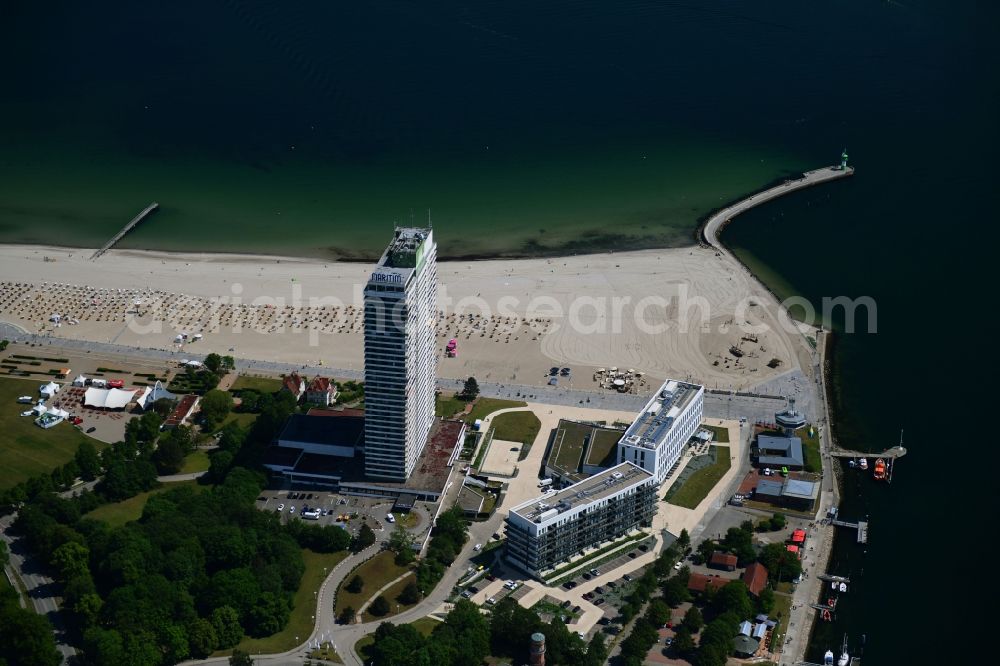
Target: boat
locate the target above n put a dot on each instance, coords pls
(845, 658)
(879, 472)
(826, 616)
(851, 463)
(843, 587)
(863, 463)
(828, 658)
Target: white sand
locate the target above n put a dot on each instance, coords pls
(518, 342)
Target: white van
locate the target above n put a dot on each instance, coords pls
(391, 518)
(544, 483)
(25, 400)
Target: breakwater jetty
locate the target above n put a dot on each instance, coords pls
(719, 219)
(132, 224)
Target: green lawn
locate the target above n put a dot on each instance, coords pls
(486, 406)
(810, 449)
(449, 406)
(196, 461)
(517, 427)
(424, 625)
(699, 484)
(392, 595)
(25, 449)
(119, 513)
(782, 607)
(301, 621)
(721, 434)
(375, 573)
(259, 384)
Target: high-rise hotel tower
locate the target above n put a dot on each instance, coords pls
(400, 360)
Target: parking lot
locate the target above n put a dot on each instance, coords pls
(347, 511)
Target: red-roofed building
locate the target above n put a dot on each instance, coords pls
(755, 578)
(294, 385)
(699, 582)
(724, 561)
(799, 537)
(182, 412)
(321, 391)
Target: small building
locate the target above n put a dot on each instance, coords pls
(745, 646)
(80, 381)
(294, 385)
(798, 494)
(755, 578)
(798, 537)
(404, 503)
(777, 452)
(724, 561)
(745, 628)
(698, 582)
(321, 391)
(340, 437)
(759, 631)
(182, 412)
(48, 390)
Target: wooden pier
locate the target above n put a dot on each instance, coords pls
(127, 228)
(861, 526)
(889, 454)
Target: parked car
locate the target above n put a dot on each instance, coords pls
(281, 507)
(491, 601)
(291, 509)
(595, 572)
(627, 577)
(478, 547)
(586, 576)
(27, 413)
(391, 518)
(91, 429)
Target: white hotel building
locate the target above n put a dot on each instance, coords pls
(548, 530)
(400, 360)
(657, 437)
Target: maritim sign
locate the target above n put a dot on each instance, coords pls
(394, 278)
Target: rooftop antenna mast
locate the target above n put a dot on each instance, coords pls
(430, 225)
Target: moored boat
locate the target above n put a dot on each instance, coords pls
(863, 463)
(880, 470)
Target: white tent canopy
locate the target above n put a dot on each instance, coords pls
(107, 398)
(49, 389)
(80, 381)
(151, 395)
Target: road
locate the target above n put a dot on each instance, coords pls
(41, 589)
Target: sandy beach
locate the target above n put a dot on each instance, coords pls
(671, 312)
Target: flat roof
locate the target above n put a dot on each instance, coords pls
(801, 489)
(790, 449)
(604, 484)
(341, 430)
(577, 443)
(657, 418)
(769, 487)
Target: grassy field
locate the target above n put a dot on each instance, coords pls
(448, 406)
(392, 595)
(25, 449)
(301, 622)
(486, 406)
(810, 450)
(424, 625)
(196, 461)
(375, 573)
(517, 427)
(782, 607)
(701, 482)
(259, 384)
(721, 434)
(119, 513)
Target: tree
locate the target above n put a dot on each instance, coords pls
(658, 613)
(27, 639)
(163, 406)
(410, 594)
(240, 658)
(226, 622)
(780, 564)
(202, 638)
(346, 615)
(213, 362)
(765, 600)
(733, 597)
(675, 592)
(693, 620)
(87, 460)
(215, 406)
(778, 522)
(472, 633)
(4, 553)
(597, 651)
(683, 642)
(219, 464)
(470, 390)
(380, 606)
(168, 457)
(71, 560)
(355, 585)
(228, 363)
(684, 540)
(365, 538)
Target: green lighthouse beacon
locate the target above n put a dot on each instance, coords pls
(843, 160)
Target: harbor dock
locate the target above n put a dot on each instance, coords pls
(861, 526)
(133, 223)
(889, 454)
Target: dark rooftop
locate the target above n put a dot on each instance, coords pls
(348, 431)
